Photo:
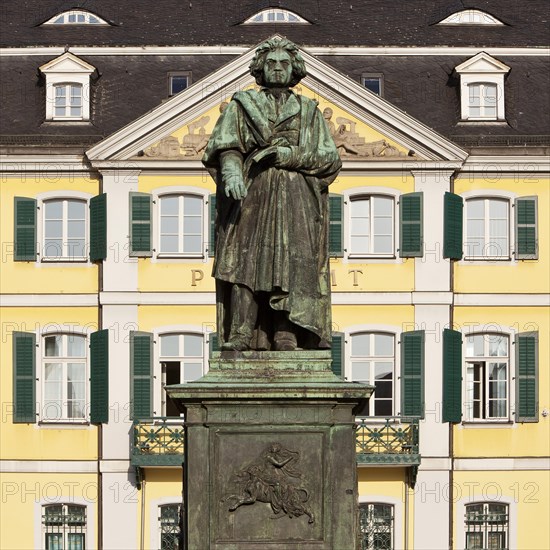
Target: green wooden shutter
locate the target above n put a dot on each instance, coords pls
(99, 376)
(452, 230)
(526, 228)
(213, 342)
(412, 373)
(337, 351)
(24, 377)
(24, 230)
(527, 373)
(141, 372)
(212, 224)
(98, 227)
(140, 225)
(336, 230)
(452, 376)
(410, 217)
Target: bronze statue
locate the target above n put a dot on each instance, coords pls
(273, 158)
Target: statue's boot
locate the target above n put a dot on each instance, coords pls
(284, 338)
(244, 311)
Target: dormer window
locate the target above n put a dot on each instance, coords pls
(76, 17)
(275, 15)
(482, 88)
(470, 17)
(67, 88)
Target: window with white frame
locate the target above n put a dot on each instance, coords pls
(76, 17)
(65, 378)
(487, 377)
(470, 17)
(182, 360)
(376, 526)
(178, 81)
(482, 89)
(371, 226)
(68, 100)
(181, 225)
(372, 360)
(373, 82)
(170, 527)
(65, 229)
(67, 88)
(487, 229)
(275, 15)
(486, 526)
(64, 527)
(482, 100)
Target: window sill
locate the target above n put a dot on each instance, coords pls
(62, 121)
(487, 424)
(169, 256)
(64, 423)
(371, 256)
(486, 259)
(482, 121)
(64, 260)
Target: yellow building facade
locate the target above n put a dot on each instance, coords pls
(440, 293)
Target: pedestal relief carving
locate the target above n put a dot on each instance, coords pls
(273, 479)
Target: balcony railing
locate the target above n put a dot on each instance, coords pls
(158, 442)
(387, 441)
(393, 441)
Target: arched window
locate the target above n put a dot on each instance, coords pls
(487, 377)
(182, 360)
(170, 522)
(371, 226)
(64, 526)
(373, 362)
(376, 526)
(487, 228)
(65, 378)
(470, 17)
(181, 225)
(275, 15)
(76, 17)
(486, 526)
(65, 229)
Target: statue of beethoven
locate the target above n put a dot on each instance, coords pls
(273, 158)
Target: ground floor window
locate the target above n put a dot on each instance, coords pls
(486, 526)
(64, 527)
(376, 524)
(170, 521)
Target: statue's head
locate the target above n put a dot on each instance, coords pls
(277, 63)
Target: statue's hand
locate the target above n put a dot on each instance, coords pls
(235, 187)
(283, 157)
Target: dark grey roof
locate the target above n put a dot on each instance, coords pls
(334, 22)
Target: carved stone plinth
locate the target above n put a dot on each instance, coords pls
(270, 453)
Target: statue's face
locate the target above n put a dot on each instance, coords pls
(277, 69)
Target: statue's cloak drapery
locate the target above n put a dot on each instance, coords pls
(276, 239)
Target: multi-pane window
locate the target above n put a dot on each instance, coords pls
(487, 228)
(64, 380)
(471, 17)
(487, 376)
(482, 101)
(376, 525)
(371, 226)
(64, 527)
(372, 362)
(170, 527)
(68, 101)
(182, 360)
(65, 229)
(486, 526)
(76, 17)
(181, 225)
(275, 15)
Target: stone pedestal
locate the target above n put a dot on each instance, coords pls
(270, 453)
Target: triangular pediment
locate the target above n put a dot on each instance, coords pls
(364, 125)
(482, 63)
(67, 63)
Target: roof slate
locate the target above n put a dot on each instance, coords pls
(334, 22)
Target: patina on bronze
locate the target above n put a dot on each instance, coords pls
(272, 157)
